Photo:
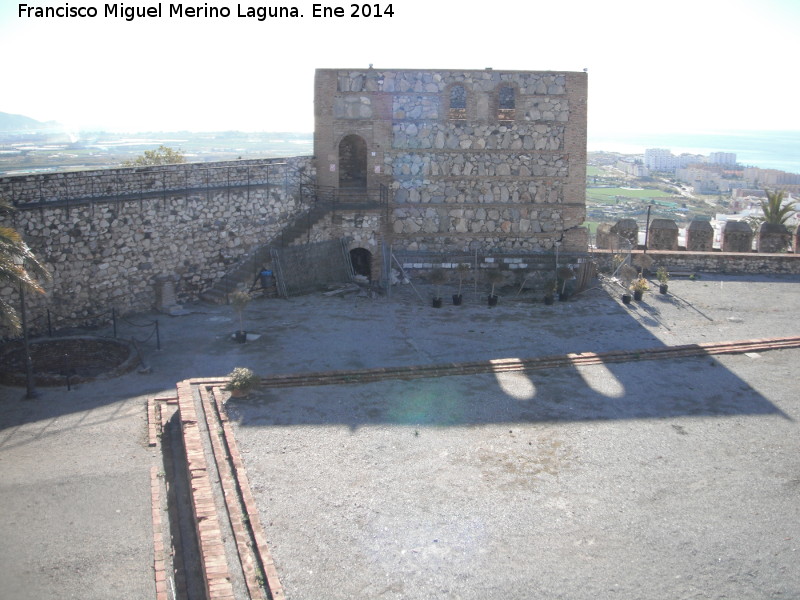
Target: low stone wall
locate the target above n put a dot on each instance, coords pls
(66, 187)
(733, 263)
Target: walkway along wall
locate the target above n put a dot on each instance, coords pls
(106, 236)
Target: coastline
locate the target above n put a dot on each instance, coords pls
(764, 149)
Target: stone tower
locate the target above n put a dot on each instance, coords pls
(474, 160)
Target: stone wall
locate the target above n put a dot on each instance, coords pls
(445, 166)
(81, 186)
(733, 263)
(109, 250)
(737, 236)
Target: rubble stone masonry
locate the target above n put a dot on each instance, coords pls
(475, 160)
(106, 236)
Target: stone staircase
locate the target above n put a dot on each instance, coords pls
(326, 200)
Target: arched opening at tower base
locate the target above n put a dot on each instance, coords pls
(361, 259)
(353, 162)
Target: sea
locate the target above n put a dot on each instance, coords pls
(765, 149)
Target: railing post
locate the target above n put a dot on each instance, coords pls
(49, 325)
(158, 337)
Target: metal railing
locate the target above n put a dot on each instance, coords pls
(55, 325)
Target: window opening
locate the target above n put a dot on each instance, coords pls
(458, 103)
(506, 107)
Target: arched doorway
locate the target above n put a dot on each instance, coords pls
(361, 259)
(352, 162)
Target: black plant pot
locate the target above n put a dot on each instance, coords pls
(663, 288)
(626, 298)
(437, 303)
(492, 300)
(637, 295)
(457, 298)
(240, 337)
(549, 300)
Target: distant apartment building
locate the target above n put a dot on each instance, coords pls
(633, 169)
(727, 159)
(660, 159)
(707, 180)
(757, 178)
(664, 161)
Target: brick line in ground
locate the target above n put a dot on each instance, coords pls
(253, 554)
(159, 561)
(248, 503)
(209, 535)
(508, 365)
(233, 501)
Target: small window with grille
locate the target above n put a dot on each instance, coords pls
(458, 104)
(506, 106)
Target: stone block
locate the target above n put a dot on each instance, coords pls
(662, 235)
(626, 230)
(773, 238)
(603, 236)
(700, 236)
(737, 236)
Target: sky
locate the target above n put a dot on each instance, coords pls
(678, 65)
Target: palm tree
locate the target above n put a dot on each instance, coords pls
(774, 211)
(18, 268)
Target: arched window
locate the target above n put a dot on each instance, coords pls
(458, 104)
(506, 103)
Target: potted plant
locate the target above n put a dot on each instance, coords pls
(663, 277)
(438, 278)
(626, 274)
(240, 381)
(461, 271)
(639, 287)
(494, 276)
(550, 289)
(239, 301)
(565, 275)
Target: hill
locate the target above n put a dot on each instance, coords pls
(15, 123)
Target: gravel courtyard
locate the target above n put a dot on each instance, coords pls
(653, 479)
(661, 479)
